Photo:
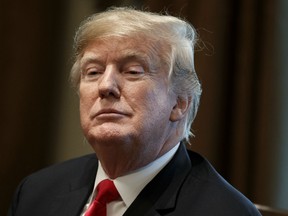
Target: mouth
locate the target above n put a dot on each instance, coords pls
(109, 113)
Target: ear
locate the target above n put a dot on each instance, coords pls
(180, 109)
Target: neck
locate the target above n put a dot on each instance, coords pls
(118, 161)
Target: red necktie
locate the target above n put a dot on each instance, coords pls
(106, 193)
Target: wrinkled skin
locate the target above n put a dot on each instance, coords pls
(128, 114)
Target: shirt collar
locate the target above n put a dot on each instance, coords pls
(130, 185)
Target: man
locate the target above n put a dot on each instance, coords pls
(139, 94)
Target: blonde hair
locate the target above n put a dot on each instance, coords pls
(174, 33)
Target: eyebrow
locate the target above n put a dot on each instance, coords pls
(124, 56)
(133, 54)
(89, 59)
(140, 56)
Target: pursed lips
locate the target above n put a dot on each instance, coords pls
(109, 112)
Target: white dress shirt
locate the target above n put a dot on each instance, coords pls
(130, 185)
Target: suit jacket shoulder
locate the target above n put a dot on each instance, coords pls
(210, 193)
(189, 185)
(61, 189)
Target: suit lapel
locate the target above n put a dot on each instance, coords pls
(157, 198)
(72, 200)
(160, 195)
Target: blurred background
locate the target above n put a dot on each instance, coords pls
(242, 125)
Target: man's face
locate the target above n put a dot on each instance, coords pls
(125, 101)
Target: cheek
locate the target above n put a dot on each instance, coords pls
(83, 104)
(153, 104)
(86, 96)
(86, 101)
(84, 119)
(142, 98)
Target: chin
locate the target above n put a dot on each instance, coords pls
(108, 135)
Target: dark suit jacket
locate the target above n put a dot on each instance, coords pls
(188, 185)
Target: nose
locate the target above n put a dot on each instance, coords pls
(109, 83)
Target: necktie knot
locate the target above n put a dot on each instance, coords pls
(106, 193)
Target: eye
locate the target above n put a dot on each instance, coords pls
(134, 70)
(91, 73)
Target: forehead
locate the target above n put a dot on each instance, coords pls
(117, 49)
